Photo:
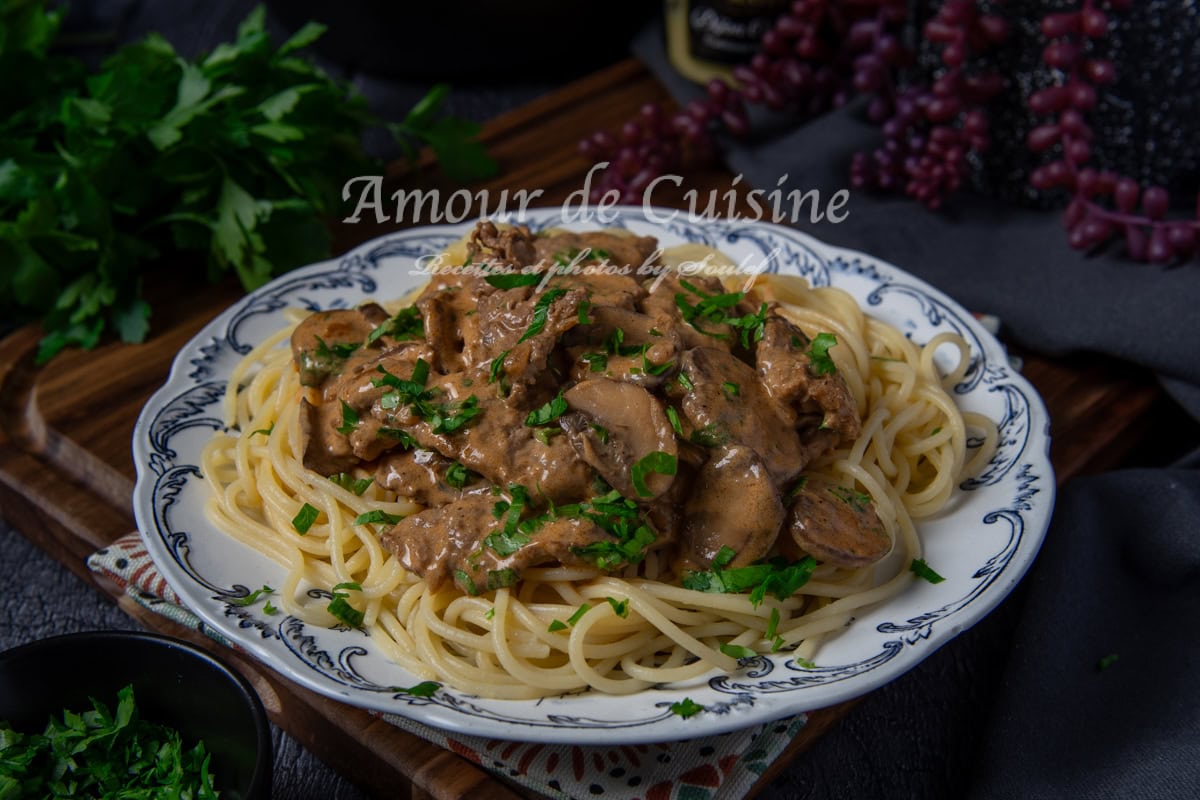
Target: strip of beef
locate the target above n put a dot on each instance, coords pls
(451, 320)
(662, 302)
(451, 543)
(421, 476)
(616, 425)
(323, 341)
(728, 405)
(625, 346)
(507, 317)
(733, 503)
(498, 444)
(630, 252)
(821, 404)
(511, 246)
(335, 441)
(834, 525)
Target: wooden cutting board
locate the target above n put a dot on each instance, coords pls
(66, 471)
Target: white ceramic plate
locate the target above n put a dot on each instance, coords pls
(982, 542)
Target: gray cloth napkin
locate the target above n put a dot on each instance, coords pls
(1119, 574)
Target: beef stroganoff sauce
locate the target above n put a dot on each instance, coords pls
(527, 480)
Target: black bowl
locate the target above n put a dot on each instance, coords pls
(174, 684)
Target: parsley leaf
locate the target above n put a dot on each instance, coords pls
(658, 461)
(352, 484)
(737, 651)
(548, 412)
(776, 577)
(497, 368)
(818, 354)
(422, 689)
(923, 570)
(377, 517)
(459, 476)
(686, 708)
(349, 420)
(406, 324)
(619, 607)
(305, 518)
(541, 310)
(673, 416)
(251, 598)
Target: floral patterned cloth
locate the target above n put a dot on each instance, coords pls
(724, 766)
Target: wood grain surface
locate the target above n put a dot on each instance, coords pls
(66, 470)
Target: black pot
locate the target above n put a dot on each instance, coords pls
(174, 684)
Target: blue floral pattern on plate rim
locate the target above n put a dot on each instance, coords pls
(982, 543)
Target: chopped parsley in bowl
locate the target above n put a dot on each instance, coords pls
(83, 712)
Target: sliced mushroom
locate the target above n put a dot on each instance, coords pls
(323, 341)
(512, 245)
(616, 426)
(834, 525)
(733, 503)
(727, 404)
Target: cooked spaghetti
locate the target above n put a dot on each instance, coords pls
(667, 476)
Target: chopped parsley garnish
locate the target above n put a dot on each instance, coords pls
(563, 258)
(514, 280)
(1107, 661)
(801, 482)
(923, 570)
(103, 752)
(406, 324)
(601, 432)
(267, 430)
(686, 708)
(584, 308)
(751, 326)
(776, 577)
(547, 413)
(541, 310)
(305, 518)
(709, 436)
(557, 625)
(818, 355)
(777, 644)
(253, 597)
(342, 610)
(442, 417)
(673, 416)
(857, 500)
(422, 689)
(497, 368)
(349, 420)
(578, 615)
(505, 543)
(685, 382)
(339, 351)
(806, 663)
(600, 254)
(407, 442)
(544, 435)
(619, 607)
(772, 625)
(653, 369)
(737, 651)
(377, 517)
(597, 362)
(658, 461)
(731, 388)
(501, 578)
(459, 476)
(490, 613)
(352, 484)
(467, 583)
(269, 609)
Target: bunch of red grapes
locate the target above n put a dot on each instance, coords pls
(821, 53)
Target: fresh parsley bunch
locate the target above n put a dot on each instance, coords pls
(238, 157)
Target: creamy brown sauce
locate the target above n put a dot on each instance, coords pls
(584, 421)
